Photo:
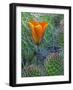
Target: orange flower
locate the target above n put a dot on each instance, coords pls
(38, 30)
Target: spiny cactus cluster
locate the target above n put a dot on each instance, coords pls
(55, 67)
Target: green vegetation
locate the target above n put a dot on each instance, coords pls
(42, 62)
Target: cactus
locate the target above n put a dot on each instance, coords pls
(54, 67)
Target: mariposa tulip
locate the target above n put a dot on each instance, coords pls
(38, 30)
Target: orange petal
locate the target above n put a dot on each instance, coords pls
(44, 25)
(34, 33)
(35, 23)
(35, 37)
(38, 30)
(31, 25)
